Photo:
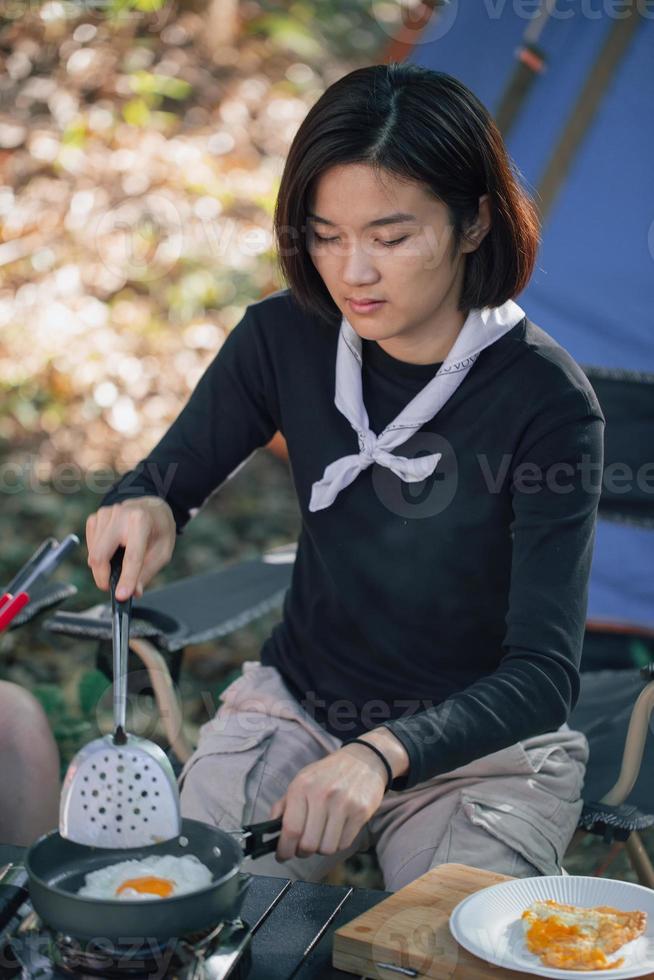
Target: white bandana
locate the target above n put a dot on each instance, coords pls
(481, 329)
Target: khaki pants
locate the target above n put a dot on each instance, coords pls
(512, 812)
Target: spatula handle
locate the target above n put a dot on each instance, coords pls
(120, 615)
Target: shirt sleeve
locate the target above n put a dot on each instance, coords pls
(555, 484)
(231, 413)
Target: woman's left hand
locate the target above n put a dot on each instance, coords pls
(329, 801)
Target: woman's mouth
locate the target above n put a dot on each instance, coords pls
(367, 306)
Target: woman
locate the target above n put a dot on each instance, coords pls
(445, 452)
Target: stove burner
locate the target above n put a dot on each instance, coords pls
(102, 958)
(53, 956)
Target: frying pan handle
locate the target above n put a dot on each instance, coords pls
(252, 834)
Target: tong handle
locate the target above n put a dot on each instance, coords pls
(51, 560)
(10, 606)
(42, 563)
(120, 616)
(21, 576)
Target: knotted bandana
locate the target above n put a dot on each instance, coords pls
(481, 329)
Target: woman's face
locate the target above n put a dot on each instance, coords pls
(363, 249)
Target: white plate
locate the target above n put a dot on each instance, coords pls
(488, 923)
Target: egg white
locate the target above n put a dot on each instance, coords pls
(585, 919)
(187, 874)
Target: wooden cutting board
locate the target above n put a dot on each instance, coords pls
(410, 931)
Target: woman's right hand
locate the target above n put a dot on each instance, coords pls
(145, 527)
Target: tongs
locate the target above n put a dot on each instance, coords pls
(42, 563)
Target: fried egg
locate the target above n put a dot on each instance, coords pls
(575, 938)
(166, 876)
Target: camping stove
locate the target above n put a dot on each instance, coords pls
(30, 950)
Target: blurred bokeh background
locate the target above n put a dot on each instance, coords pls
(141, 146)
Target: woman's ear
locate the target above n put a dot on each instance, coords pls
(480, 226)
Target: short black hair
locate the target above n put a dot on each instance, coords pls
(421, 125)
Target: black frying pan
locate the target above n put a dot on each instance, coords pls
(56, 868)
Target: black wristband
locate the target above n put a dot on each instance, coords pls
(389, 771)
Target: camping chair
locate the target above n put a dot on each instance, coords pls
(614, 711)
(205, 607)
(616, 700)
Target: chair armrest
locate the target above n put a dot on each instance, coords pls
(192, 610)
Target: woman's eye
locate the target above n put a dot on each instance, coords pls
(320, 238)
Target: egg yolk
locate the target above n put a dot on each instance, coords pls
(148, 886)
(556, 938)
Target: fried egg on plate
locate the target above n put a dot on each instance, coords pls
(150, 878)
(571, 937)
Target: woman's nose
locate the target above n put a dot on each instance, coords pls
(359, 265)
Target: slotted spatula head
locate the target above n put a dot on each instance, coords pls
(119, 796)
(120, 790)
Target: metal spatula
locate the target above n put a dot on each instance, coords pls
(120, 790)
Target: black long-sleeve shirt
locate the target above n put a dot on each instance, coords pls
(450, 611)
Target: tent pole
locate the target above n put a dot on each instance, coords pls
(613, 50)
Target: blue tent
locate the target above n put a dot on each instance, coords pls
(571, 87)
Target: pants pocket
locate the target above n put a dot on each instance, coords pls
(542, 838)
(221, 781)
(537, 812)
(558, 772)
(562, 755)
